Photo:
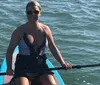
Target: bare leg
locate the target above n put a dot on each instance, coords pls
(48, 79)
(22, 81)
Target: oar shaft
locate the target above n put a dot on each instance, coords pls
(76, 66)
(62, 68)
(83, 66)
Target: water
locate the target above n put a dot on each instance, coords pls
(75, 25)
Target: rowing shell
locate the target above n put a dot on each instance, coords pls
(6, 79)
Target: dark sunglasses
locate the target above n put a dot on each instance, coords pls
(32, 12)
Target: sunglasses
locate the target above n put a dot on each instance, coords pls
(32, 12)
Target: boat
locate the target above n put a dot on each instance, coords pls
(5, 79)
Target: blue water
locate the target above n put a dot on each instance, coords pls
(75, 25)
